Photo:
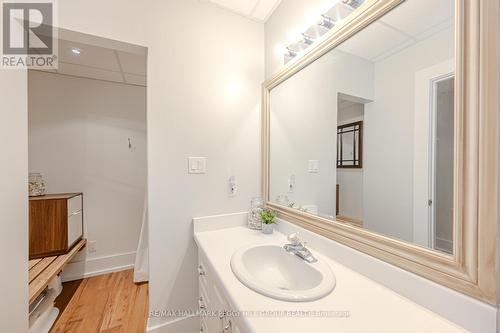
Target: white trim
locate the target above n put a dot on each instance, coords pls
(82, 268)
(184, 324)
(216, 222)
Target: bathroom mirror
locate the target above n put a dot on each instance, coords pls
(405, 71)
(366, 133)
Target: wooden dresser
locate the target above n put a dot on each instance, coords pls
(55, 224)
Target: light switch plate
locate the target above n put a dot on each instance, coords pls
(197, 165)
(92, 247)
(313, 166)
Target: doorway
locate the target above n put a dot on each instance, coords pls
(87, 145)
(434, 135)
(441, 163)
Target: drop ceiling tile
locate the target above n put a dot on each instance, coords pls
(91, 56)
(132, 63)
(394, 50)
(89, 72)
(45, 70)
(443, 26)
(416, 17)
(372, 41)
(135, 79)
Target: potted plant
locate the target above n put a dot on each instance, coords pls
(268, 220)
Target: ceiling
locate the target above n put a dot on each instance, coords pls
(101, 59)
(408, 24)
(258, 10)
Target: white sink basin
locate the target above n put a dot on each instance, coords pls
(273, 272)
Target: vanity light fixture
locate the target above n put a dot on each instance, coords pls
(352, 3)
(308, 40)
(290, 53)
(326, 22)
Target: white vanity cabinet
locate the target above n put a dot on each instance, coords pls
(216, 316)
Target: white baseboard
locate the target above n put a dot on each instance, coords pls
(181, 325)
(81, 267)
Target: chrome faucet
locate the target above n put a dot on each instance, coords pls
(299, 249)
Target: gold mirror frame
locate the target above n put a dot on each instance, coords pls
(472, 267)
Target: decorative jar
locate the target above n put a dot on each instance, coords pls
(254, 219)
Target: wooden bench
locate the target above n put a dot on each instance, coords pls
(42, 271)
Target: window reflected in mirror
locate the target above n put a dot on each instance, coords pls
(350, 145)
(365, 134)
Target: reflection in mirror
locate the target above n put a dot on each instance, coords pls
(365, 134)
(349, 145)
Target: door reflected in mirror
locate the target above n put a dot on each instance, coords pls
(365, 134)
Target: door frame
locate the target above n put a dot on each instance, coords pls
(423, 227)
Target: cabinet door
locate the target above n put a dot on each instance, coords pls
(75, 204)
(75, 219)
(218, 304)
(75, 227)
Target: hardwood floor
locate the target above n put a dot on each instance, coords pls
(106, 303)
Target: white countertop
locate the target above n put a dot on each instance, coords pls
(371, 307)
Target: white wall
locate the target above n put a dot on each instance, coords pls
(78, 140)
(389, 136)
(304, 126)
(14, 201)
(205, 67)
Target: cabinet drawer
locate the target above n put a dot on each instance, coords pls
(74, 205)
(75, 228)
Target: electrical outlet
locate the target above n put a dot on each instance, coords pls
(92, 247)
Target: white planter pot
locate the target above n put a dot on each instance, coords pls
(267, 228)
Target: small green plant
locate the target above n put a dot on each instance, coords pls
(268, 216)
